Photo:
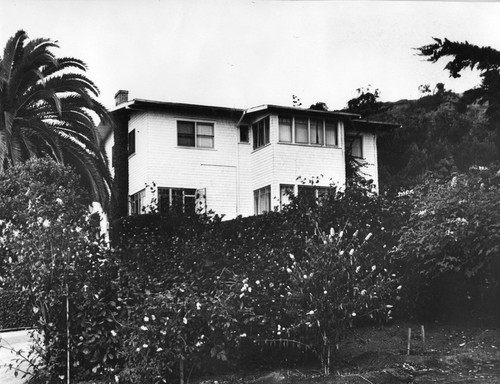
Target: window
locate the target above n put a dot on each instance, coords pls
(187, 200)
(331, 133)
(262, 200)
(301, 130)
(195, 134)
(137, 202)
(285, 129)
(312, 192)
(316, 131)
(244, 134)
(286, 193)
(260, 132)
(131, 142)
(354, 145)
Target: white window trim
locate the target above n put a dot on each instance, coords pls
(196, 122)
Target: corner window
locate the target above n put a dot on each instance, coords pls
(262, 200)
(260, 132)
(244, 134)
(195, 134)
(131, 142)
(285, 129)
(286, 193)
(177, 199)
(301, 131)
(354, 146)
(331, 133)
(136, 200)
(316, 132)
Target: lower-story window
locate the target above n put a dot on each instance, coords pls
(286, 193)
(136, 200)
(262, 200)
(187, 200)
(312, 192)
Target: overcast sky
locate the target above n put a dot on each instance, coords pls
(247, 53)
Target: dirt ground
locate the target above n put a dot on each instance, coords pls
(378, 355)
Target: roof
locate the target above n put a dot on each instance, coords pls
(270, 108)
(244, 116)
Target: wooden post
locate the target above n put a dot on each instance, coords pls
(423, 338)
(181, 371)
(409, 341)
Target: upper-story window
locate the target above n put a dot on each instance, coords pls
(260, 132)
(302, 130)
(131, 142)
(195, 134)
(354, 145)
(244, 137)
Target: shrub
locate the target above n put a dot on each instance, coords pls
(448, 247)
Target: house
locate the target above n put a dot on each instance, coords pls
(230, 161)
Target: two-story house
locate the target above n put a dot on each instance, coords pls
(232, 161)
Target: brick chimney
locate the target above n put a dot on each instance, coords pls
(121, 97)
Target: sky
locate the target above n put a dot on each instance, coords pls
(237, 53)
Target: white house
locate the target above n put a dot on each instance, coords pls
(233, 161)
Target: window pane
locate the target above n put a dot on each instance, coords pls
(316, 131)
(185, 127)
(131, 142)
(205, 129)
(243, 134)
(331, 132)
(285, 129)
(301, 130)
(185, 141)
(262, 200)
(286, 192)
(354, 145)
(185, 133)
(205, 142)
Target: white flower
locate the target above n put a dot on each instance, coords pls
(153, 317)
(368, 236)
(353, 314)
(310, 313)
(46, 223)
(257, 282)
(325, 292)
(159, 349)
(144, 328)
(358, 268)
(59, 201)
(289, 270)
(243, 335)
(198, 306)
(146, 319)
(184, 320)
(351, 252)
(113, 333)
(292, 256)
(305, 276)
(399, 287)
(363, 292)
(388, 306)
(374, 267)
(145, 345)
(332, 231)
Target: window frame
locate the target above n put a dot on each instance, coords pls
(172, 194)
(261, 132)
(131, 143)
(322, 137)
(244, 134)
(136, 202)
(259, 195)
(196, 135)
(351, 138)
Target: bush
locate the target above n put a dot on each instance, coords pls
(14, 311)
(449, 246)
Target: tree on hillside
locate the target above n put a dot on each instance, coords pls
(465, 55)
(48, 109)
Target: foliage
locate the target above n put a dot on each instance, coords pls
(366, 103)
(448, 250)
(55, 260)
(14, 313)
(465, 55)
(208, 290)
(47, 108)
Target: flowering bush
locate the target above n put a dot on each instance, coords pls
(53, 257)
(449, 246)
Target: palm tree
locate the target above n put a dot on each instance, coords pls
(49, 109)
